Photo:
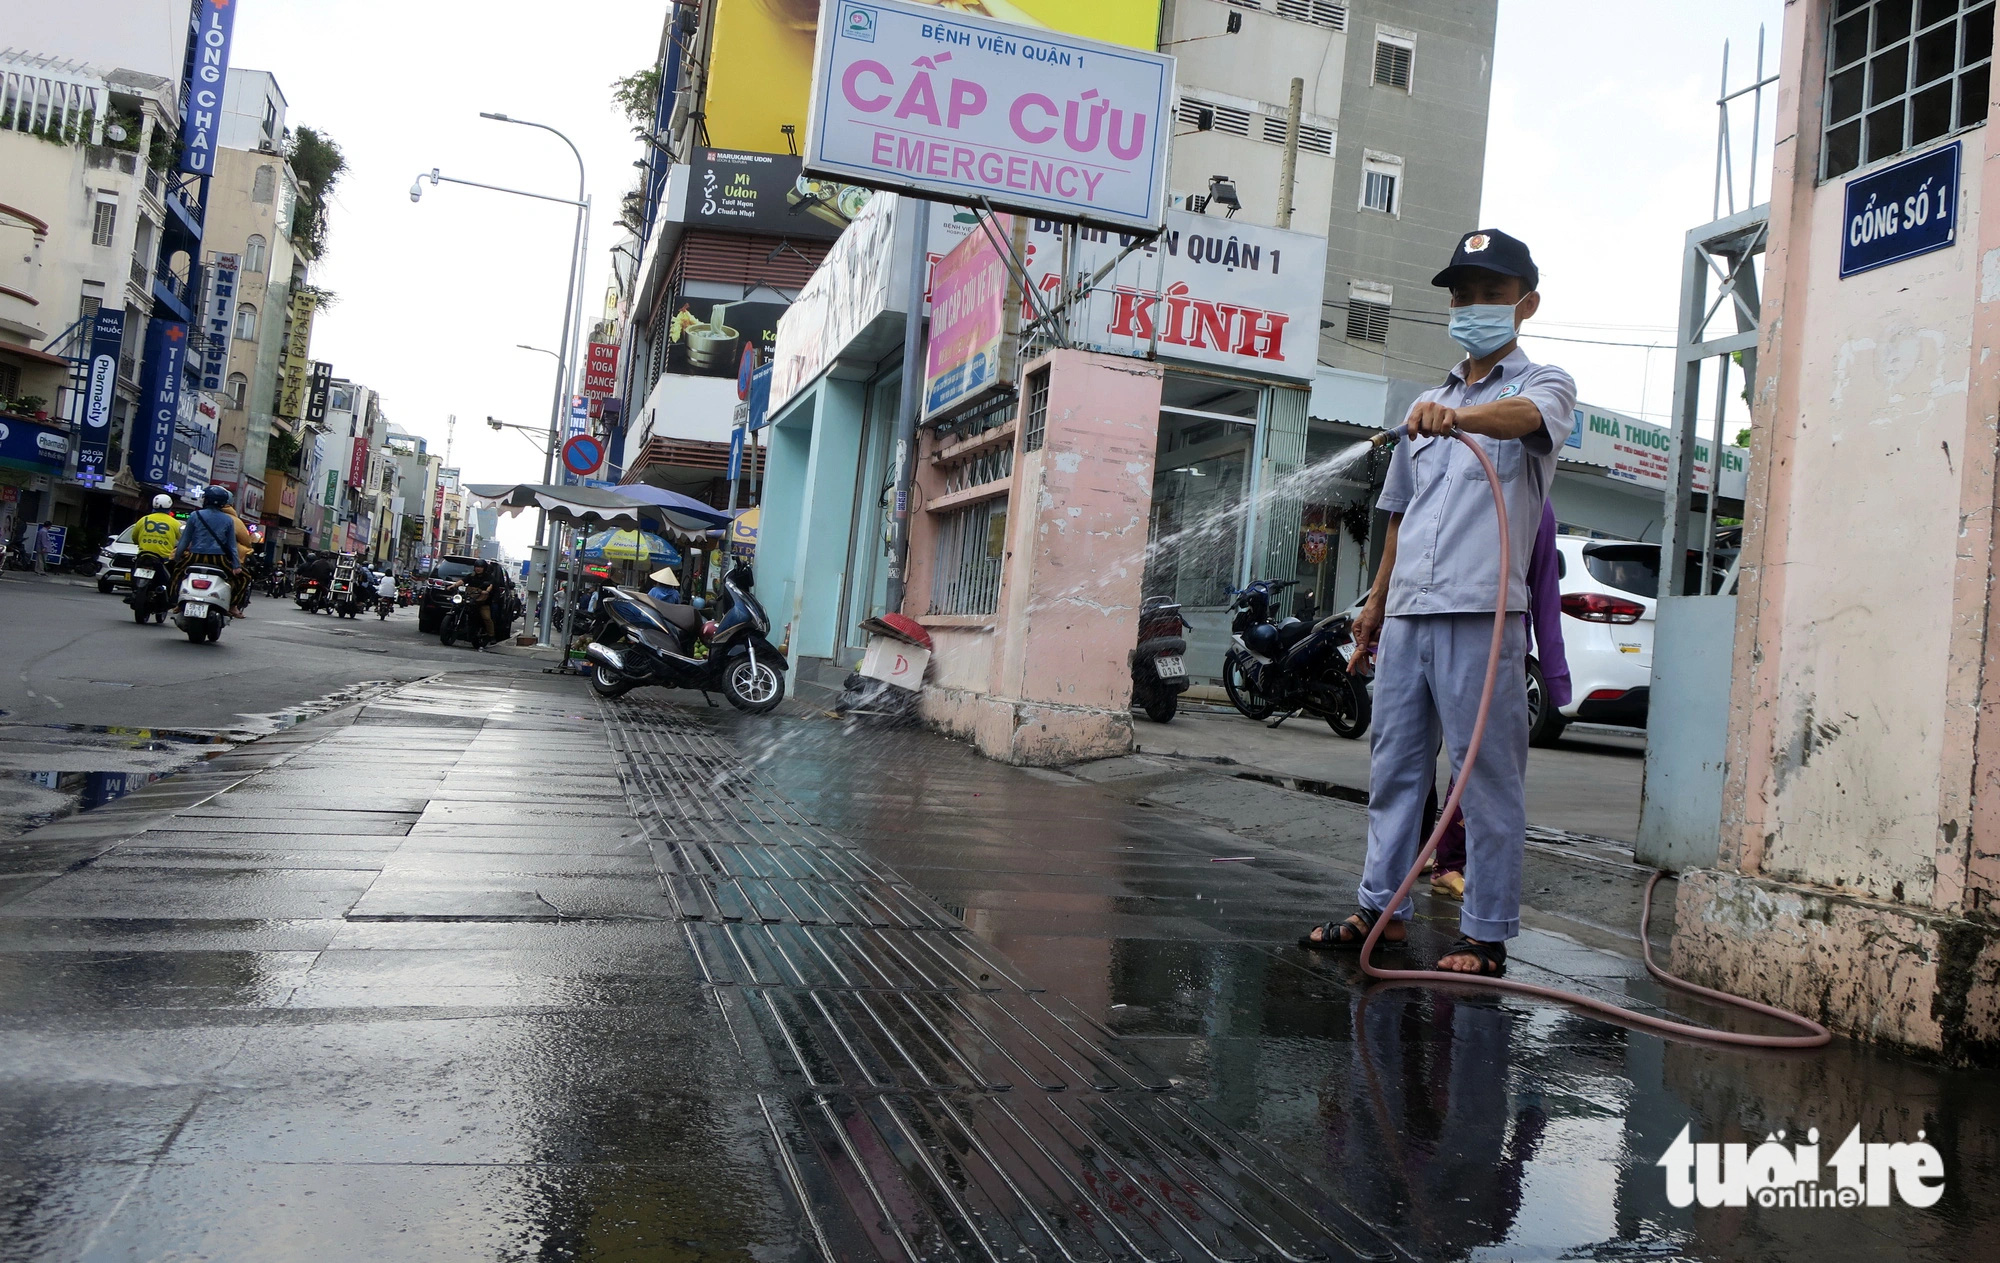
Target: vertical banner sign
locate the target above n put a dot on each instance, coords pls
(579, 423)
(600, 371)
(293, 365)
(160, 401)
(107, 336)
(217, 312)
(971, 304)
(321, 386)
(332, 482)
(357, 463)
(211, 71)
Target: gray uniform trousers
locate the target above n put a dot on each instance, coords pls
(1428, 674)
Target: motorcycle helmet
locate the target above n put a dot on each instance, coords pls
(1262, 640)
(216, 498)
(162, 503)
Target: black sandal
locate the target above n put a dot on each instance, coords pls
(1492, 958)
(1335, 935)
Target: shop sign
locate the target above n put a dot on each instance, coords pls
(969, 355)
(1901, 211)
(218, 313)
(321, 384)
(294, 368)
(1206, 290)
(357, 462)
(852, 286)
(958, 108)
(32, 447)
(107, 338)
(210, 64)
(160, 401)
(600, 370)
(288, 499)
(767, 194)
(1638, 452)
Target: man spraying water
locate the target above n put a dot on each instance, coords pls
(1429, 616)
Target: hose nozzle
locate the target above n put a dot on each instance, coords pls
(1386, 437)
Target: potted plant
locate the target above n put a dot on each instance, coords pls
(31, 406)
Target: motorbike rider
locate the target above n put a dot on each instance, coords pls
(483, 587)
(210, 538)
(385, 586)
(157, 534)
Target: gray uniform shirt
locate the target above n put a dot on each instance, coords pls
(1447, 549)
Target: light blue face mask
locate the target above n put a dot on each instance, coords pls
(1482, 328)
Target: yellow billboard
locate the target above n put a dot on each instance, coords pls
(760, 61)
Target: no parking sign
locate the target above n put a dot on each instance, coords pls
(583, 454)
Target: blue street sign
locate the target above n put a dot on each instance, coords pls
(1901, 211)
(760, 397)
(736, 453)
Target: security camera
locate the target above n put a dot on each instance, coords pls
(417, 189)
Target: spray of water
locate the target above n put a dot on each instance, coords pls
(1220, 529)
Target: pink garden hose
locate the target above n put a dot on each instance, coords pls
(1819, 1035)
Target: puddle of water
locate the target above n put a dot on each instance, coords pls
(48, 771)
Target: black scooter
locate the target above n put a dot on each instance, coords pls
(642, 641)
(1159, 664)
(1285, 666)
(152, 593)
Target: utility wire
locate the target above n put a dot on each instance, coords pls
(1547, 337)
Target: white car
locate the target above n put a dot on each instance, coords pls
(114, 562)
(1609, 595)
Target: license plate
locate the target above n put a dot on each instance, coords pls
(1347, 652)
(194, 609)
(1170, 668)
(147, 575)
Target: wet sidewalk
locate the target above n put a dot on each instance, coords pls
(643, 980)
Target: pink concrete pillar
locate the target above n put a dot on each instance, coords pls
(1861, 812)
(1043, 678)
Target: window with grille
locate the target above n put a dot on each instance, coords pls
(1902, 73)
(86, 307)
(971, 544)
(105, 226)
(1392, 63)
(1378, 191)
(1226, 118)
(1367, 320)
(10, 382)
(1317, 12)
(1038, 411)
(1311, 139)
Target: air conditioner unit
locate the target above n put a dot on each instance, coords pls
(266, 146)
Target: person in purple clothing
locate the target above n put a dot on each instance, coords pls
(1545, 629)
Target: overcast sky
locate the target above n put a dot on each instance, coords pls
(1600, 155)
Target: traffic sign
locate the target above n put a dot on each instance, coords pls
(583, 454)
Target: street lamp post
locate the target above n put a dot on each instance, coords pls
(579, 243)
(569, 360)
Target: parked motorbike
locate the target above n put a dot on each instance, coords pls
(152, 593)
(202, 608)
(1159, 664)
(643, 641)
(1284, 666)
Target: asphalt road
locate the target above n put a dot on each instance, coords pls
(74, 656)
(94, 705)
